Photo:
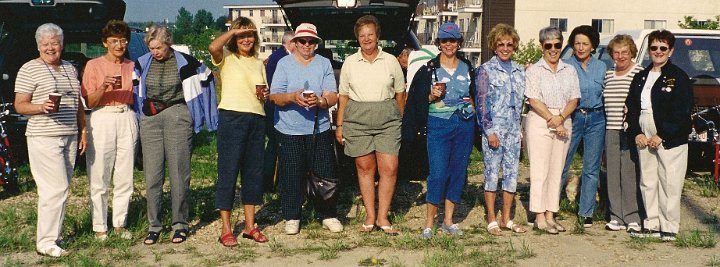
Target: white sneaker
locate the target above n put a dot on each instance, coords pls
(633, 227)
(332, 224)
(614, 225)
(292, 227)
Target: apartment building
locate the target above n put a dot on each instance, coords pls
(466, 13)
(268, 18)
(608, 16)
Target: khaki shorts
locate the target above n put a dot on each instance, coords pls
(372, 126)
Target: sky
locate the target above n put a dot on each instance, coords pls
(158, 10)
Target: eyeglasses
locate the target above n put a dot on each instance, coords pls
(621, 53)
(113, 41)
(445, 40)
(662, 48)
(505, 45)
(548, 46)
(307, 41)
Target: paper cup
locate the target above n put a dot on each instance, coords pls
(308, 94)
(260, 89)
(442, 85)
(55, 98)
(118, 82)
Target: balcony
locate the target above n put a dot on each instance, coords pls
(270, 21)
(425, 38)
(470, 6)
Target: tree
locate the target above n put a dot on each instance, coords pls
(689, 22)
(183, 24)
(203, 20)
(527, 53)
(220, 22)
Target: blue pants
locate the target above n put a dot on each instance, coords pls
(507, 157)
(240, 144)
(450, 142)
(271, 148)
(588, 127)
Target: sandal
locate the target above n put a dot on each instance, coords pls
(180, 236)
(228, 240)
(515, 228)
(367, 228)
(152, 238)
(52, 251)
(255, 235)
(494, 229)
(389, 230)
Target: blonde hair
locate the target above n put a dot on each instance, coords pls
(244, 23)
(502, 31)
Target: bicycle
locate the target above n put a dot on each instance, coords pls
(8, 170)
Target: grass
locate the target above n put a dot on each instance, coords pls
(696, 239)
(641, 244)
(707, 186)
(713, 261)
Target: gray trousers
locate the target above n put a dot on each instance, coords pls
(167, 137)
(623, 174)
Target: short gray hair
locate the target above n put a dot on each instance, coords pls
(48, 30)
(287, 36)
(159, 33)
(549, 33)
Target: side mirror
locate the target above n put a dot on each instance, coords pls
(5, 77)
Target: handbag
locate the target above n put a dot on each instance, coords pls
(316, 186)
(152, 107)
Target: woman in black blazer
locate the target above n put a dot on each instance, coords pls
(659, 106)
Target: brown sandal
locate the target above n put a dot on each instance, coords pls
(255, 235)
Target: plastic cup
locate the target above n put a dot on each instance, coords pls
(55, 98)
(118, 82)
(260, 89)
(308, 94)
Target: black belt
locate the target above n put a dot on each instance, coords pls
(586, 110)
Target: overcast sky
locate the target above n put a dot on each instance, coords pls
(158, 10)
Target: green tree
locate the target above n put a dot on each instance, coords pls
(183, 24)
(203, 20)
(220, 22)
(689, 22)
(527, 53)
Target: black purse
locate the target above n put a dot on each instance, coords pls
(316, 186)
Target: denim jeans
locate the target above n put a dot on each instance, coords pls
(588, 127)
(271, 148)
(450, 142)
(240, 146)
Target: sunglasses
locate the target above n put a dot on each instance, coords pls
(556, 45)
(306, 41)
(505, 45)
(662, 48)
(445, 40)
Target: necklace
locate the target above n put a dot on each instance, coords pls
(55, 78)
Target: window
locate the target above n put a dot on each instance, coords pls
(262, 13)
(560, 23)
(262, 49)
(251, 12)
(655, 24)
(604, 26)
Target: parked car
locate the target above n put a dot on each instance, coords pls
(697, 52)
(81, 22)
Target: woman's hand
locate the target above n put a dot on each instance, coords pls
(555, 121)
(312, 101)
(82, 143)
(435, 92)
(493, 141)
(108, 83)
(47, 107)
(338, 135)
(298, 99)
(238, 32)
(561, 131)
(641, 141)
(654, 142)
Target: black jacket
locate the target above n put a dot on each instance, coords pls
(416, 108)
(672, 102)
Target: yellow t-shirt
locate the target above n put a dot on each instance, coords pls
(239, 76)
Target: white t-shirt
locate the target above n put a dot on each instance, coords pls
(645, 102)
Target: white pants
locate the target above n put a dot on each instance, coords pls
(52, 159)
(662, 174)
(112, 138)
(546, 152)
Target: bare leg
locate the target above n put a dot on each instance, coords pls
(449, 210)
(249, 218)
(430, 217)
(225, 217)
(366, 166)
(508, 198)
(490, 206)
(388, 165)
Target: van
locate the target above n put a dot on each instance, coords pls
(697, 52)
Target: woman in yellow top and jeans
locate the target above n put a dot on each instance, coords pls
(241, 126)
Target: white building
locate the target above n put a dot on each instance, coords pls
(608, 16)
